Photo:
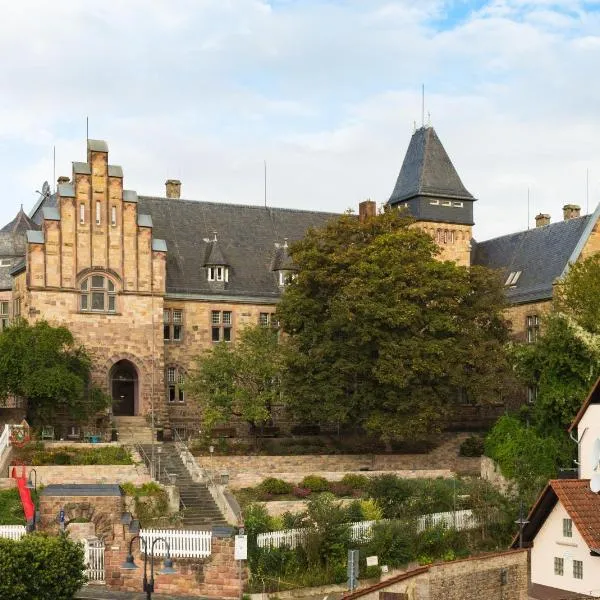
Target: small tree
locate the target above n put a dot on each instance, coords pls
(41, 567)
(44, 365)
(242, 380)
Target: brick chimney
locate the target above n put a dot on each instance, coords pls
(173, 188)
(366, 210)
(542, 219)
(63, 179)
(571, 211)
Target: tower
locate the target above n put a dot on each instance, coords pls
(429, 186)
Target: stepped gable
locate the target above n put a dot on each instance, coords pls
(246, 242)
(428, 171)
(541, 254)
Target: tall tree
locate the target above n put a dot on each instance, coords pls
(243, 380)
(384, 334)
(44, 365)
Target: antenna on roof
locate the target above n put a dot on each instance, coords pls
(422, 105)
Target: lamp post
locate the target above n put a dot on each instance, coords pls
(129, 564)
(32, 485)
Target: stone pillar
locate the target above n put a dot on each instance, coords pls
(367, 210)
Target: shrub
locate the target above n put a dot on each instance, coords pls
(340, 489)
(356, 482)
(301, 492)
(393, 542)
(372, 572)
(371, 510)
(41, 567)
(276, 487)
(472, 446)
(391, 494)
(315, 483)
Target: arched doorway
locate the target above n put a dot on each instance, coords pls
(124, 388)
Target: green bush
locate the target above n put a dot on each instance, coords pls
(11, 510)
(356, 482)
(393, 542)
(40, 567)
(151, 502)
(275, 486)
(35, 455)
(315, 483)
(472, 446)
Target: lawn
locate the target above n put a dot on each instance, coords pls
(38, 454)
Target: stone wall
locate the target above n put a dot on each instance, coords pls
(46, 475)
(498, 576)
(517, 315)
(454, 241)
(490, 471)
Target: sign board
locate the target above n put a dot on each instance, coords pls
(384, 568)
(241, 547)
(372, 561)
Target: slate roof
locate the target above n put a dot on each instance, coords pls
(541, 254)
(246, 237)
(582, 505)
(20, 224)
(427, 170)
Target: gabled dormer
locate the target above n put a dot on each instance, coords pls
(283, 265)
(216, 265)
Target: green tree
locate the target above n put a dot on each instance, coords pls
(242, 380)
(44, 365)
(41, 567)
(382, 333)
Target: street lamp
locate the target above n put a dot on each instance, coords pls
(129, 564)
(32, 485)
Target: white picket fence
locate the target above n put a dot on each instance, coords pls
(4, 441)
(12, 532)
(362, 530)
(182, 543)
(94, 560)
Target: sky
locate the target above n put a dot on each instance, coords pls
(325, 91)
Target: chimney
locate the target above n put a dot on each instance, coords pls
(367, 210)
(571, 211)
(542, 219)
(173, 188)
(63, 179)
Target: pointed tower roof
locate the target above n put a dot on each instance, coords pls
(214, 254)
(428, 171)
(20, 224)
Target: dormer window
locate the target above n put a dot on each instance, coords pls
(286, 276)
(97, 294)
(218, 273)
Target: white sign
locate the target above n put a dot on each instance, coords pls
(241, 547)
(384, 568)
(372, 561)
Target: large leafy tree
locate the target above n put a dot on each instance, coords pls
(243, 380)
(44, 365)
(383, 333)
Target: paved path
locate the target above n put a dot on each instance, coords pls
(98, 592)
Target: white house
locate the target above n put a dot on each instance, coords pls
(563, 529)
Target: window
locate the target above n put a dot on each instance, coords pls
(113, 216)
(82, 214)
(221, 324)
(578, 569)
(5, 262)
(16, 308)
(175, 381)
(447, 203)
(285, 277)
(434, 202)
(532, 392)
(173, 324)
(533, 328)
(567, 528)
(457, 204)
(559, 565)
(3, 315)
(513, 278)
(97, 294)
(218, 274)
(98, 212)
(265, 319)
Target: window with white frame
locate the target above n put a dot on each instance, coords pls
(4, 315)
(16, 308)
(559, 565)
(82, 214)
(512, 278)
(567, 528)
(98, 212)
(265, 319)
(286, 276)
(175, 384)
(218, 273)
(578, 569)
(113, 216)
(221, 322)
(532, 392)
(5, 262)
(532, 328)
(173, 324)
(97, 293)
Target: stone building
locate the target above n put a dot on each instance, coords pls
(147, 283)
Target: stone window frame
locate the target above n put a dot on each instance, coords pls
(266, 319)
(113, 215)
(221, 326)
(175, 384)
(173, 324)
(16, 308)
(532, 328)
(82, 213)
(89, 288)
(4, 314)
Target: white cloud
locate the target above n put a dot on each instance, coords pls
(325, 91)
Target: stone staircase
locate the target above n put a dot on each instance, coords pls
(201, 511)
(133, 430)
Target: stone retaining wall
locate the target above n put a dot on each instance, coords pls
(46, 475)
(250, 478)
(490, 471)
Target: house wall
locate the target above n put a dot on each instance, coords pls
(549, 543)
(588, 431)
(457, 246)
(518, 313)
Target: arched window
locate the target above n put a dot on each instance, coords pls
(97, 294)
(175, 381)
